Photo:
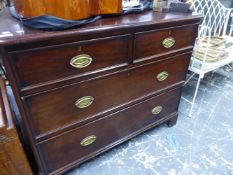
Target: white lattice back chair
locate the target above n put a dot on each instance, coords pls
(214, 24)
(216, 16)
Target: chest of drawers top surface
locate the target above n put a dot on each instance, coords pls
(12, 31)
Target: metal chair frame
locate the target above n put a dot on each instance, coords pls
(214, 24)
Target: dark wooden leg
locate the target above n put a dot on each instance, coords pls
(172, 121)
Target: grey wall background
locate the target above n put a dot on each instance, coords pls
(227, 3)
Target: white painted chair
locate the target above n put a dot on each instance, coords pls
(214, 25)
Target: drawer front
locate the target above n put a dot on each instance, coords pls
(44, 65)
(79, 144)
(59, 108)
(159, 42)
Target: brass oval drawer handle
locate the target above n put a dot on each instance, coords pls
(162, 76)
(157, 110)
(81, 61)
(168, 42)
(84, 102)
(88, 140)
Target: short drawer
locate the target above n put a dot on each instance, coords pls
(82, 143)
(156, 42)
(43, 65)
(52, 111)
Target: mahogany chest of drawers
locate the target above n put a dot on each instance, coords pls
(81, 92)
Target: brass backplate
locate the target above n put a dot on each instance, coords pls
(169, 42)
(157, 110)
(162, 76)
(81, 61)
(88, 140)
(84, 102)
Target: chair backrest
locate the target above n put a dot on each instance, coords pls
(216, 16)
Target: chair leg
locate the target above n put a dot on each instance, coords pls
(191, 76)
(195, 95)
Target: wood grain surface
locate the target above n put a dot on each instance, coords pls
(55, 110)
(107, 131)
(67, 9)
(13, 160)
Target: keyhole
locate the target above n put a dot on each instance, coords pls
(80, 48)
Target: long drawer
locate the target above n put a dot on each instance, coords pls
(43, 65)
(82, 143)
(52, 111)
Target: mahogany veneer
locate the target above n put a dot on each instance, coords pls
(43, 111)
(82, 91)
(149, 43)
(58, 59)
(67, 9)
(107, 131)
